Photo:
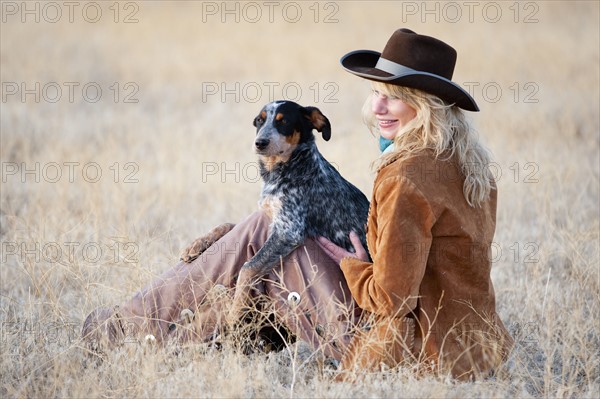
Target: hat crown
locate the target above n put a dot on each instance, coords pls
(420, 52)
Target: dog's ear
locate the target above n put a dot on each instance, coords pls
(318, 121)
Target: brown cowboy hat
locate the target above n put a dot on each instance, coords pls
(412, 60)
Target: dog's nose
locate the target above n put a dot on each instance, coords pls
(261, 144)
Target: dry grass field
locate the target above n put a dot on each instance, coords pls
(126, 133)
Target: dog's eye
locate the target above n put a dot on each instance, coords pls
(284, 121)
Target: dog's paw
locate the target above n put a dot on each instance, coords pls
(234, 316)
(203, 243)
(239, 307)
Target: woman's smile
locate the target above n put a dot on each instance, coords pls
(387, 123)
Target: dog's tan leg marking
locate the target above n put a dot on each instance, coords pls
(203, 243)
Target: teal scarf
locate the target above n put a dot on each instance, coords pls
(384, 143)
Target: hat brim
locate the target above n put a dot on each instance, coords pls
(362, 63)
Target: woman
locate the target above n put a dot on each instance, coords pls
(426, 299)
(431, 222)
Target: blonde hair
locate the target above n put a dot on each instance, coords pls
(441, 128)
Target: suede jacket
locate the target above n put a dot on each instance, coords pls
(427, 291)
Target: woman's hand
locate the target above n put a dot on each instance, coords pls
(338, 253)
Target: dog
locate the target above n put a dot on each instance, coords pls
(303, 193)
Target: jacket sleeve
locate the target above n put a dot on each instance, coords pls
(390, 285)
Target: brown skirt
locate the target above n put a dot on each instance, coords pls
(306, 293)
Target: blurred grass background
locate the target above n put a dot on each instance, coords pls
(179, 160)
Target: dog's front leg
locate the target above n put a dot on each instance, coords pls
(278, 245)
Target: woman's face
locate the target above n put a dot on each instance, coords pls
(391, 113)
